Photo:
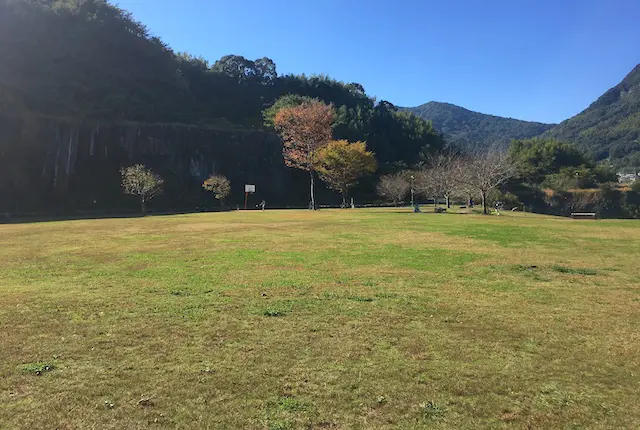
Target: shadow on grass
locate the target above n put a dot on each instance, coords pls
(89, 215)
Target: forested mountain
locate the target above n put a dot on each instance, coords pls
(85, 89)
(610, 127)
(469, 130)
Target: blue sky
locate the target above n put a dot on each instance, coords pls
(538, 60)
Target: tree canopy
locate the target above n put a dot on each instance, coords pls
(342, 163)
(104, 65)
(536, 158)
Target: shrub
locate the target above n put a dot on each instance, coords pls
(631, 201)
(272, 312)
(37, 368)
(510, 200)
(609, 204)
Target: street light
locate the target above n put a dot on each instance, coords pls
(412, 205)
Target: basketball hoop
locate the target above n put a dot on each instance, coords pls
(248, 189)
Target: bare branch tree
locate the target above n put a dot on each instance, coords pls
(483, 172)
(443, 173)
(438, 178)
(426, 184)
(394, 187)
(464, 184)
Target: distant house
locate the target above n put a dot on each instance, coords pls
(627, 178)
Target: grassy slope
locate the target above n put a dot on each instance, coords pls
(386, 320)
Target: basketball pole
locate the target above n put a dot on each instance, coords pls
(246, 197)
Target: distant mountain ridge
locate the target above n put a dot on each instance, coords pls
(608, 128)
(469, 130)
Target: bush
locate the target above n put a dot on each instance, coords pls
(609, 203)
(570, 178)
(530, 195)
(509, 200)
(631, 202)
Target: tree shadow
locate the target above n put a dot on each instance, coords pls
(89, 215)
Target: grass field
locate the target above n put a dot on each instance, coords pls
(369, 319)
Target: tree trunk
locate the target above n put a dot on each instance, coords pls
(485, 210)
(448, 202)
(344, 200)
(143, 206)
(313, 197)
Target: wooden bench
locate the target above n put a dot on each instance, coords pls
(583, 215)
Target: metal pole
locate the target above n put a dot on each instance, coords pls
(412, 205)
(246, 197)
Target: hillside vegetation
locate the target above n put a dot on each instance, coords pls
(473, 130)
(610, 127)
(104, 92)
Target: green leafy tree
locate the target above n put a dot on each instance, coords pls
(286, 101)
(244, 71)
(142, 182)
(341, 164)
(535, 158)
(219, 185)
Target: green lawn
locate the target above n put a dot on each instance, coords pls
(369, 319)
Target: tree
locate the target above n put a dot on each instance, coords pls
(265, 70)
(634, 163)
(238, 68)
(304, 130)
(394, 187)
(219, 185)
(426, 184)
(485, 171)
(341, 163)
(443, 170)
(286, 101)
(103, 68)
(139, 181)
(535, 158)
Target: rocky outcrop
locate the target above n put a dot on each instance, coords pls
(64, 164)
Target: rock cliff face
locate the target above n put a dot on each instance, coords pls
(68, 165)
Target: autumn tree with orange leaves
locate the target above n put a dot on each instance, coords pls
(304, 129)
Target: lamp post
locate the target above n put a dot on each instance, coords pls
(412, 205)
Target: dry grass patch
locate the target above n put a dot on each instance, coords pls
(329, 319)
